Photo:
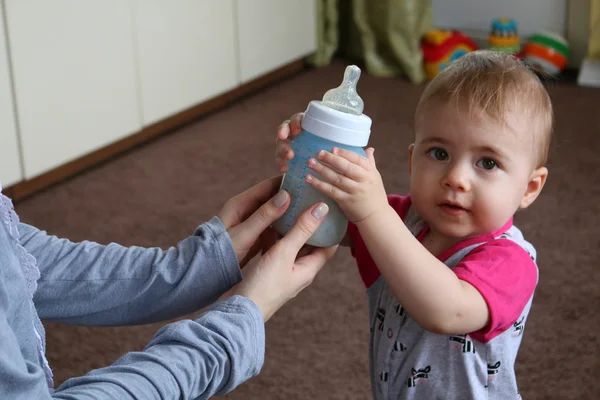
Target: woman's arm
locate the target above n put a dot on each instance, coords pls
(187, 359)
(211, 355)
(92, 284)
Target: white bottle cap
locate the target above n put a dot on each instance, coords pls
(337, 126)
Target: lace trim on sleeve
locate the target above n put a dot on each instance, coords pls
(10, 219)
(28, 262)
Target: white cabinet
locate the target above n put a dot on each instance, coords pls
(186, 52)
(10, 167)
(74, 77)
(274, 32)
(87, 73)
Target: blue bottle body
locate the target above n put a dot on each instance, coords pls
(333, 228)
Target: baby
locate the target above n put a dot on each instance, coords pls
(450, 279)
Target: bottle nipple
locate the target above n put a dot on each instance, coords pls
(344, 97)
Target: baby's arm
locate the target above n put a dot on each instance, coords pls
(429, 291)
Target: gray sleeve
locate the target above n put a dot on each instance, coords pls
(91, 284)
(187, 359)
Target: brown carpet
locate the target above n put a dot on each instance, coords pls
(317, 345)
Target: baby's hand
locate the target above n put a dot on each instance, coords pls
(357, 187)
(285, 132)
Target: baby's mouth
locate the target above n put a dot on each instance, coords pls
(452, 208)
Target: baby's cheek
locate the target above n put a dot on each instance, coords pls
(422, 204)
(493, 211)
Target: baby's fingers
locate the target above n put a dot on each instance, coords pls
(290, 127)
(365, 163)
(296, 123)
(353, 168)
(283, 153)
(332, 176)
(283, 131)
(326, 188)
(371, 155)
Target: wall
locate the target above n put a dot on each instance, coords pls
(474, 16)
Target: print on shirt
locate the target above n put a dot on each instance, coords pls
(381, 318)
(383, 376)
(418, 377)
(518, 327)
(398, 346)
(493, 370)
(399, 310)
(463, 342)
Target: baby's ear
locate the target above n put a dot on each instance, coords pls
(534, 187)
(411, 148)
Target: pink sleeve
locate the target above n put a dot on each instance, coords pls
(399, 203)
(506, 276)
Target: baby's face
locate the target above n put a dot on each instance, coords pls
(469, 174)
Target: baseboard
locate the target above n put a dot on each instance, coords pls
(26, 188)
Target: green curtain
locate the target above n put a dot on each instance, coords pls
(384, 34)
(327, 32)
(594, 40)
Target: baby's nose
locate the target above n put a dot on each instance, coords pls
(457, 178)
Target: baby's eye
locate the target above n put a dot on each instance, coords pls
(437, 153)
(487, 163)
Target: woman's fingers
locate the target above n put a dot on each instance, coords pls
(263, 217)
(239, 207)
(305, 226)
(310, 265)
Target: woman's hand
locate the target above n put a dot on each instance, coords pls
(281, 273)
(248, 215)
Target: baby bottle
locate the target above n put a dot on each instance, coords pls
(336, 121)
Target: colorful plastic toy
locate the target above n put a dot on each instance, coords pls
(546, 52)
(441, 47)
(504, 35)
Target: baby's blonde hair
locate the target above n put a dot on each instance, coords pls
(495, 83)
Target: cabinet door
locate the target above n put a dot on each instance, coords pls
(274, 32)
(10, 167)
(74, 75)
(186, 52)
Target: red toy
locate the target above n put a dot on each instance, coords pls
(441, 47)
